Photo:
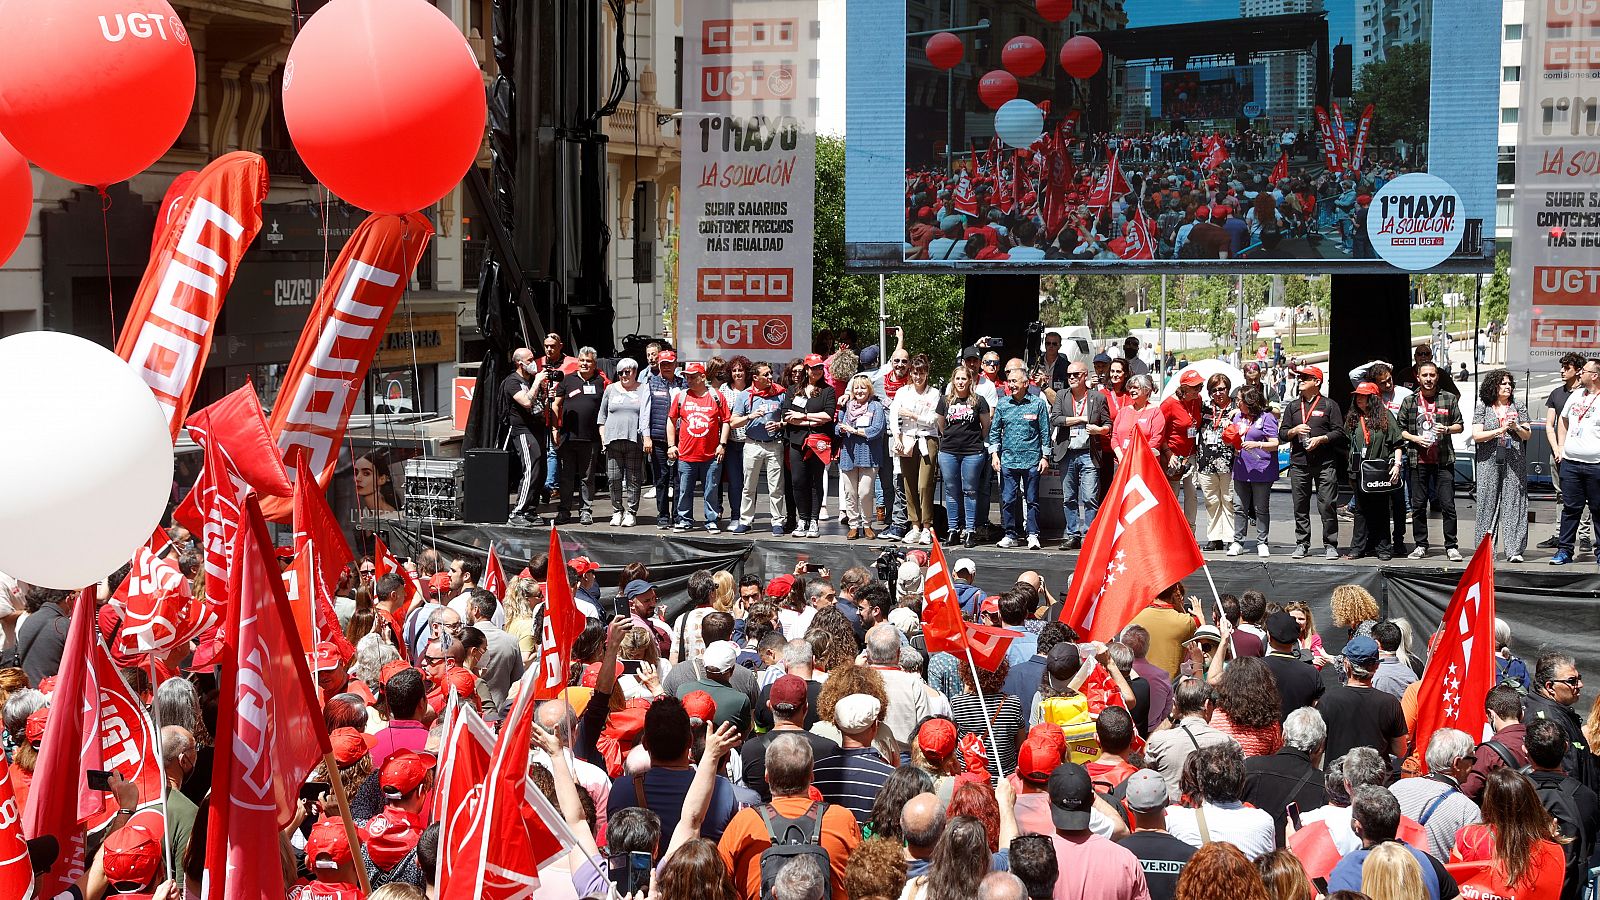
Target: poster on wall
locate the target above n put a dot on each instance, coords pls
(1555, 281)
(749, 151)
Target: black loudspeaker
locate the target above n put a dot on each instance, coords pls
(644, 232)
(1541, 461)
(488, 480)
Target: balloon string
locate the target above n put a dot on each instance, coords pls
(105, 233)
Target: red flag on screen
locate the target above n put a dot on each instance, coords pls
(1112, 184)
(1358, 153)
(964, 198)
(1341, 138)
(59, 801)
(1462, 668)
(1281, 170)
(496, 828)
(1138, 238)
(270, 731)
(494, 577)
(1139, 545)
(562, 625)
(1330, 147)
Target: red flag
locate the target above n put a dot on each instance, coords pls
(1358, 154)
(168, 335)
(1139, 545)
(1462, 668)
(1314, 845)
(16, 871)
(315, 524)
(171, 206)
(1340, 138)
(159, 610)
(384, 562)
(943, 628)
(1112, 184)
(59, 801)
(496, 828)
(1217, 154)
(128, 741)
(1330, 147)
(1281, 170)
(237, 424)
(311, 604)
(1138, 238)
(343, 332)
(494, 577)
(562, 625)
(270, 731)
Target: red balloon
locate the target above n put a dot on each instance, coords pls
(944, 50)
(16, 199)
(1053, 10)
(94, 90)
(1081, 56)
(995, 88)
(1022, 56)
(384, 101)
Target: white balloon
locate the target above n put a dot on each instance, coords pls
(86, 466)
(1019, 123)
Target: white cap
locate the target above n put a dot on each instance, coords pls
(719, 656)
(855, 713)
(965, 565)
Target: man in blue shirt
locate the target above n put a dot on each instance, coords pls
(1019, 442)
(1375, 818)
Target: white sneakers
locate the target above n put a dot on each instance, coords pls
(914, 536)
(927, 538)
(1262, 550)
(1234, 549)
(616, 519)
(1033, 542)
(627, 520)
(1007, 541)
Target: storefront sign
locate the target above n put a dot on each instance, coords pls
(748, 178)
(1555, 287)
(431, 337)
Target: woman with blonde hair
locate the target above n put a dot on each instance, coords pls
(861, 425)
(638, 645)
(1392, 873)
(522, 598)
(727, 588)
(1284, 877)
(1354, 609)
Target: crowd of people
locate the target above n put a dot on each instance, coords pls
(916, 453)
(1218, 196)
(792, 737)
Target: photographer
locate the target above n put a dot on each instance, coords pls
(525, 397)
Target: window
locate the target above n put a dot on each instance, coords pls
(1508, 115)
(1506, 165)
(1502, 214)
(1510, 73)
(1514, 31)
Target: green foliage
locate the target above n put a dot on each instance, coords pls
(928, 307)
(1497, 293)
(1397, 88)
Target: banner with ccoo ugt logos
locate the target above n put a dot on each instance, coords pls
(749, 172)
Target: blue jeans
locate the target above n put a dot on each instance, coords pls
(666, 472)
(552, 464)
(1580, 487)
(1025, 506)
(1080, 480)
(962, 475)
(708, 473)
(733, 475)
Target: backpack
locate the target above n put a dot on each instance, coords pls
(793, 838)
(1561, 800)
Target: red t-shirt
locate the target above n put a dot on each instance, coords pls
(698, 421)
(324, 890)
(1183, 425)
(1475, 843)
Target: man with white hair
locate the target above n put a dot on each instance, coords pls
(796, 660)
(1293, 774)
(852, 777)
(908, 701)
(558, 718)
(1435, 800)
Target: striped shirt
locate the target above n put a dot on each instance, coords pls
(1007, 713)
(852, 778)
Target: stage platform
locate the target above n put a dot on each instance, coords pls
(1546, 606)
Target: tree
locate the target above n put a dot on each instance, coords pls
(1497, 292)
(1397, 88)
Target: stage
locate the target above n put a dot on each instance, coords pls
(1545, 606)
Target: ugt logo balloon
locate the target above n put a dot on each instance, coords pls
(144, 25)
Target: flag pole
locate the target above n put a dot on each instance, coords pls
(1206, 568)
(161, 766)
(988, 721)
(336, 782)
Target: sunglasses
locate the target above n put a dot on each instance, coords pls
(988, 363)
(1077, 374)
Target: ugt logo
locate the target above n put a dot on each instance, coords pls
(143, 25)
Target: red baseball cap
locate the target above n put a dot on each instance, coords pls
(1050, 734)
(666, 356)
(1036, 760)
(1368, 388)
(47, 685)
(327, 839)
(34, 730)
(780, 587)
(694, 368)
(1191, 378)
(937, 738)
(583, 565)
(813, 360)
(788, 690)
(439, 583)
(132, 854)
(391, 669)
(350, 745)
(1312, 371)
(700, 707)
(327, 656)
(991, 604)
(390, 835)
(403, 772)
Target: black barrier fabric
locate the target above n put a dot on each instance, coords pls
(1546, 610)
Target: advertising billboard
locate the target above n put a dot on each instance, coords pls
(1233, 135)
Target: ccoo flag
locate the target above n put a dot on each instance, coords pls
(1139, 545)
(1462, 668)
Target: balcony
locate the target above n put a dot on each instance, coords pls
(636, 124)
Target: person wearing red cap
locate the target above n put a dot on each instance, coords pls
(661, 390)
(1374, 437)
(1208, 239)
(1180, 438)
(789, 699)
(697, 435)
(131, 857)
(332, 864)
(1314, 426)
